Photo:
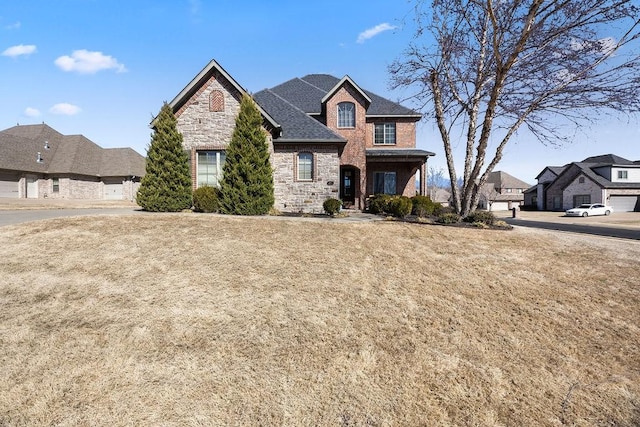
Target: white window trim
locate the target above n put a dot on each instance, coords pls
(313, 166)
(353, 106)
(384, 133)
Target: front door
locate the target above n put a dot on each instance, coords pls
(348, 186)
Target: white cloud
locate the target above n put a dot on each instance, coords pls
(372, 32)
(65, 109)
(19, 50)
(87, 62)
(14, 26)
(604, 46)
(31, 112)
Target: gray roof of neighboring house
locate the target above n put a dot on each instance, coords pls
(307, 92)
(502, 179)
(295, 124)
(67, 154)
(608, 159)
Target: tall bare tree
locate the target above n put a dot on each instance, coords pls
(494, 66)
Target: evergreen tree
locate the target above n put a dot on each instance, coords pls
(166, 186)
(247, 183)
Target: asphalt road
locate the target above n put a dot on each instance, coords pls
(594, 229)
(8, 217)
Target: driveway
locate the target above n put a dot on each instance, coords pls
(624, 225)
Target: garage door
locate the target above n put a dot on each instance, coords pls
(8, 185)
(113, 190)
(625, 203)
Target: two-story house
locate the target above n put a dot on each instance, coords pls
(502, 192)
(607, 179)
(328, 138)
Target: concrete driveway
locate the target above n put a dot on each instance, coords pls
(619, 224)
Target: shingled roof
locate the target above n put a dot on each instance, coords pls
(64, 154)
(307, 94)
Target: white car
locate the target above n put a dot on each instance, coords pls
(590, 210)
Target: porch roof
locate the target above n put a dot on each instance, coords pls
(398, 155)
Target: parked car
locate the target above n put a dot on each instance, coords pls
(590, 210)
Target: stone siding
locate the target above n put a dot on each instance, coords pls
(207, 126)
(292, 195)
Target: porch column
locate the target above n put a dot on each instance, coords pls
(423, 179)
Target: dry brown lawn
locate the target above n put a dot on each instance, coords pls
(194, 320)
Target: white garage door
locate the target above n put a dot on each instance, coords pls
(8, 185)
(113, 190)
(625, 203)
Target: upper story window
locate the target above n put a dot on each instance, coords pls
(581, 180)
(384, 133)
(305, 166)
(346, 115)
(623, 175)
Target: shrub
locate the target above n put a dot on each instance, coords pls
(332, 206)
(205, 199)
(400, 206)
(379, 203)
(449, 218)
(166, 186)
(484, 217)
(423, 206)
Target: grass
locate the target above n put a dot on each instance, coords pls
(189, 320)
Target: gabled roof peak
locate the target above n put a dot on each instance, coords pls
(347, 80)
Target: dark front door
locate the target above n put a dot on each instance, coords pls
(348, 185)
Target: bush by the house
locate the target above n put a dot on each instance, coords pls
(423, 206)
(332, 206)
(205, 199)
(379, 203)
(449, 218)
(247, 182)
(483, 217)
(400, 206)
(166, 187)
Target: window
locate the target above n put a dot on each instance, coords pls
(623, 175)
(346, 115)
(384, 133)
(305, 167)
(56, 184)
(581, 199)
(384, 183)
(209, 168)
(581, 180)
(509, 190)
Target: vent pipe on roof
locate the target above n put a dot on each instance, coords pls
(39, 158)
(46, 145)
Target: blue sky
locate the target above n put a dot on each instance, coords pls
(103, 68)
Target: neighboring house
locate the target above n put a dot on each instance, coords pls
(36, 161)
(502, 192)
(607, 179)
(328, 138)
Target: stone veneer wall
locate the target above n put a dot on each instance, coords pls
(202, 127)
(292, 195)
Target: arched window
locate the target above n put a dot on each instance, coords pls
(346, 115)
(305, 166)
(216, 101)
